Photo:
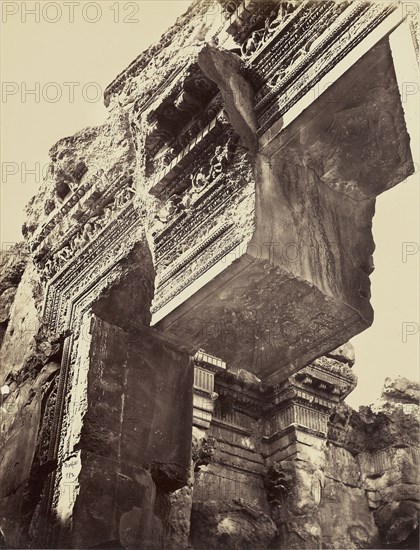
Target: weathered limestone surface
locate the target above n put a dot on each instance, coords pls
(232, 524)
(392, 477)
(29, 365)
(12, 265)
(320, 488)
(73, 161)
(134, 442)
(340, 497)
(344, 510)
(357, 488)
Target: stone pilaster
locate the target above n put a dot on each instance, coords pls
(202, 447)
(295, 447)
(204, 396)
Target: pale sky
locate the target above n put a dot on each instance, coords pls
(89, 52)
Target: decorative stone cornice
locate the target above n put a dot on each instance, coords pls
(307, 399)
(99, 214)
(94, 263)
(209, 362)
(290, 46)
(188, 154)
(192, 230)
(326, 50)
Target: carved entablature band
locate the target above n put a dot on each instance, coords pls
(190, 249)
(188, 99)
(218, 215)
(79, 221)
(191, 230)
(191, 103)
(191, 152)
(92, 264)
(289, 46)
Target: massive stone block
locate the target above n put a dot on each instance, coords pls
(129, 441)
(299, 285)
(230, 525)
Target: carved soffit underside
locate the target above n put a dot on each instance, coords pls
(177, 118)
